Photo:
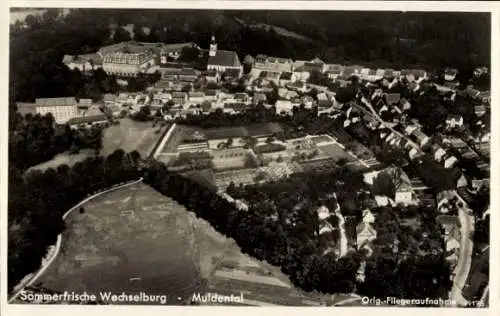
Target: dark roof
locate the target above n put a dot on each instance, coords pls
(96, 59)
(236, 106)
(86, 119)
(55, 101)
(393, 98)
(348, 71)
(25, 108)
(211, 92)
(450, 71)
(178, 94)
(224, 58)
(188, 72)
(232, 72)
(109, 97)
(211, 73)
(286, 76)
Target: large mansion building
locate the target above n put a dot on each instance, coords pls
(62, 109)
(128, 64)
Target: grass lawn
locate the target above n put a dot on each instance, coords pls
(176, 138)
(263, 129)
(224, 132)
(336, 152)
(64, 158)
(128, 135)
(134, 233)
(131, 135)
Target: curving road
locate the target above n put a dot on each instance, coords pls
(462, 269)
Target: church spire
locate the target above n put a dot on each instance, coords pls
(213, 46)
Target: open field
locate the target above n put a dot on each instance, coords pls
(64, 158)
(176, 138)
(128, 135)
(254, 130)
(131, 135)
(245, 176)
(237, 273)
(335, 152)
(133, 240)
(224, 132)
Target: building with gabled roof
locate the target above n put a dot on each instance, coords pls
(26, 108)
(365, 234)
(223, 60)
(83, 62)
(450, 74)
(62, 109)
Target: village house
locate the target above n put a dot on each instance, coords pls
(392, 98)
(223, 60)
(285, 78)
(372, 75)
(479, 110)
(211, 95)
(274, 64)
(179, 98)
(389, 73)
(242, 98)
(87, 121)
(284, 107)
(365, 235)
(421, 138)
(259, 98)
(454, 121)
(450, 74)
(84, 62)
(414, 75)
(334, 71)
(379, 73)
(439, 153)
(188, 75)
(308, 101)
(364, 73)
(212, 76)
(287, 94)
(196, 97)
(109, 98)
(450, 162)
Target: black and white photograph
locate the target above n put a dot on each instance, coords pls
(248, 157)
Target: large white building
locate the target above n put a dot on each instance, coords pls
(273, 64)
(223, 60)
(84, 63)
(62, 109)
(128, 64)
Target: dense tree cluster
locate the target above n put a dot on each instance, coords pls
(37, 201)
(36, 139)
(407, 260)
(281, 225)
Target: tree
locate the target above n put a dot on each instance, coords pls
(121, 35)
(31, 20)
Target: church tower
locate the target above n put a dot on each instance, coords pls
(213, 47)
